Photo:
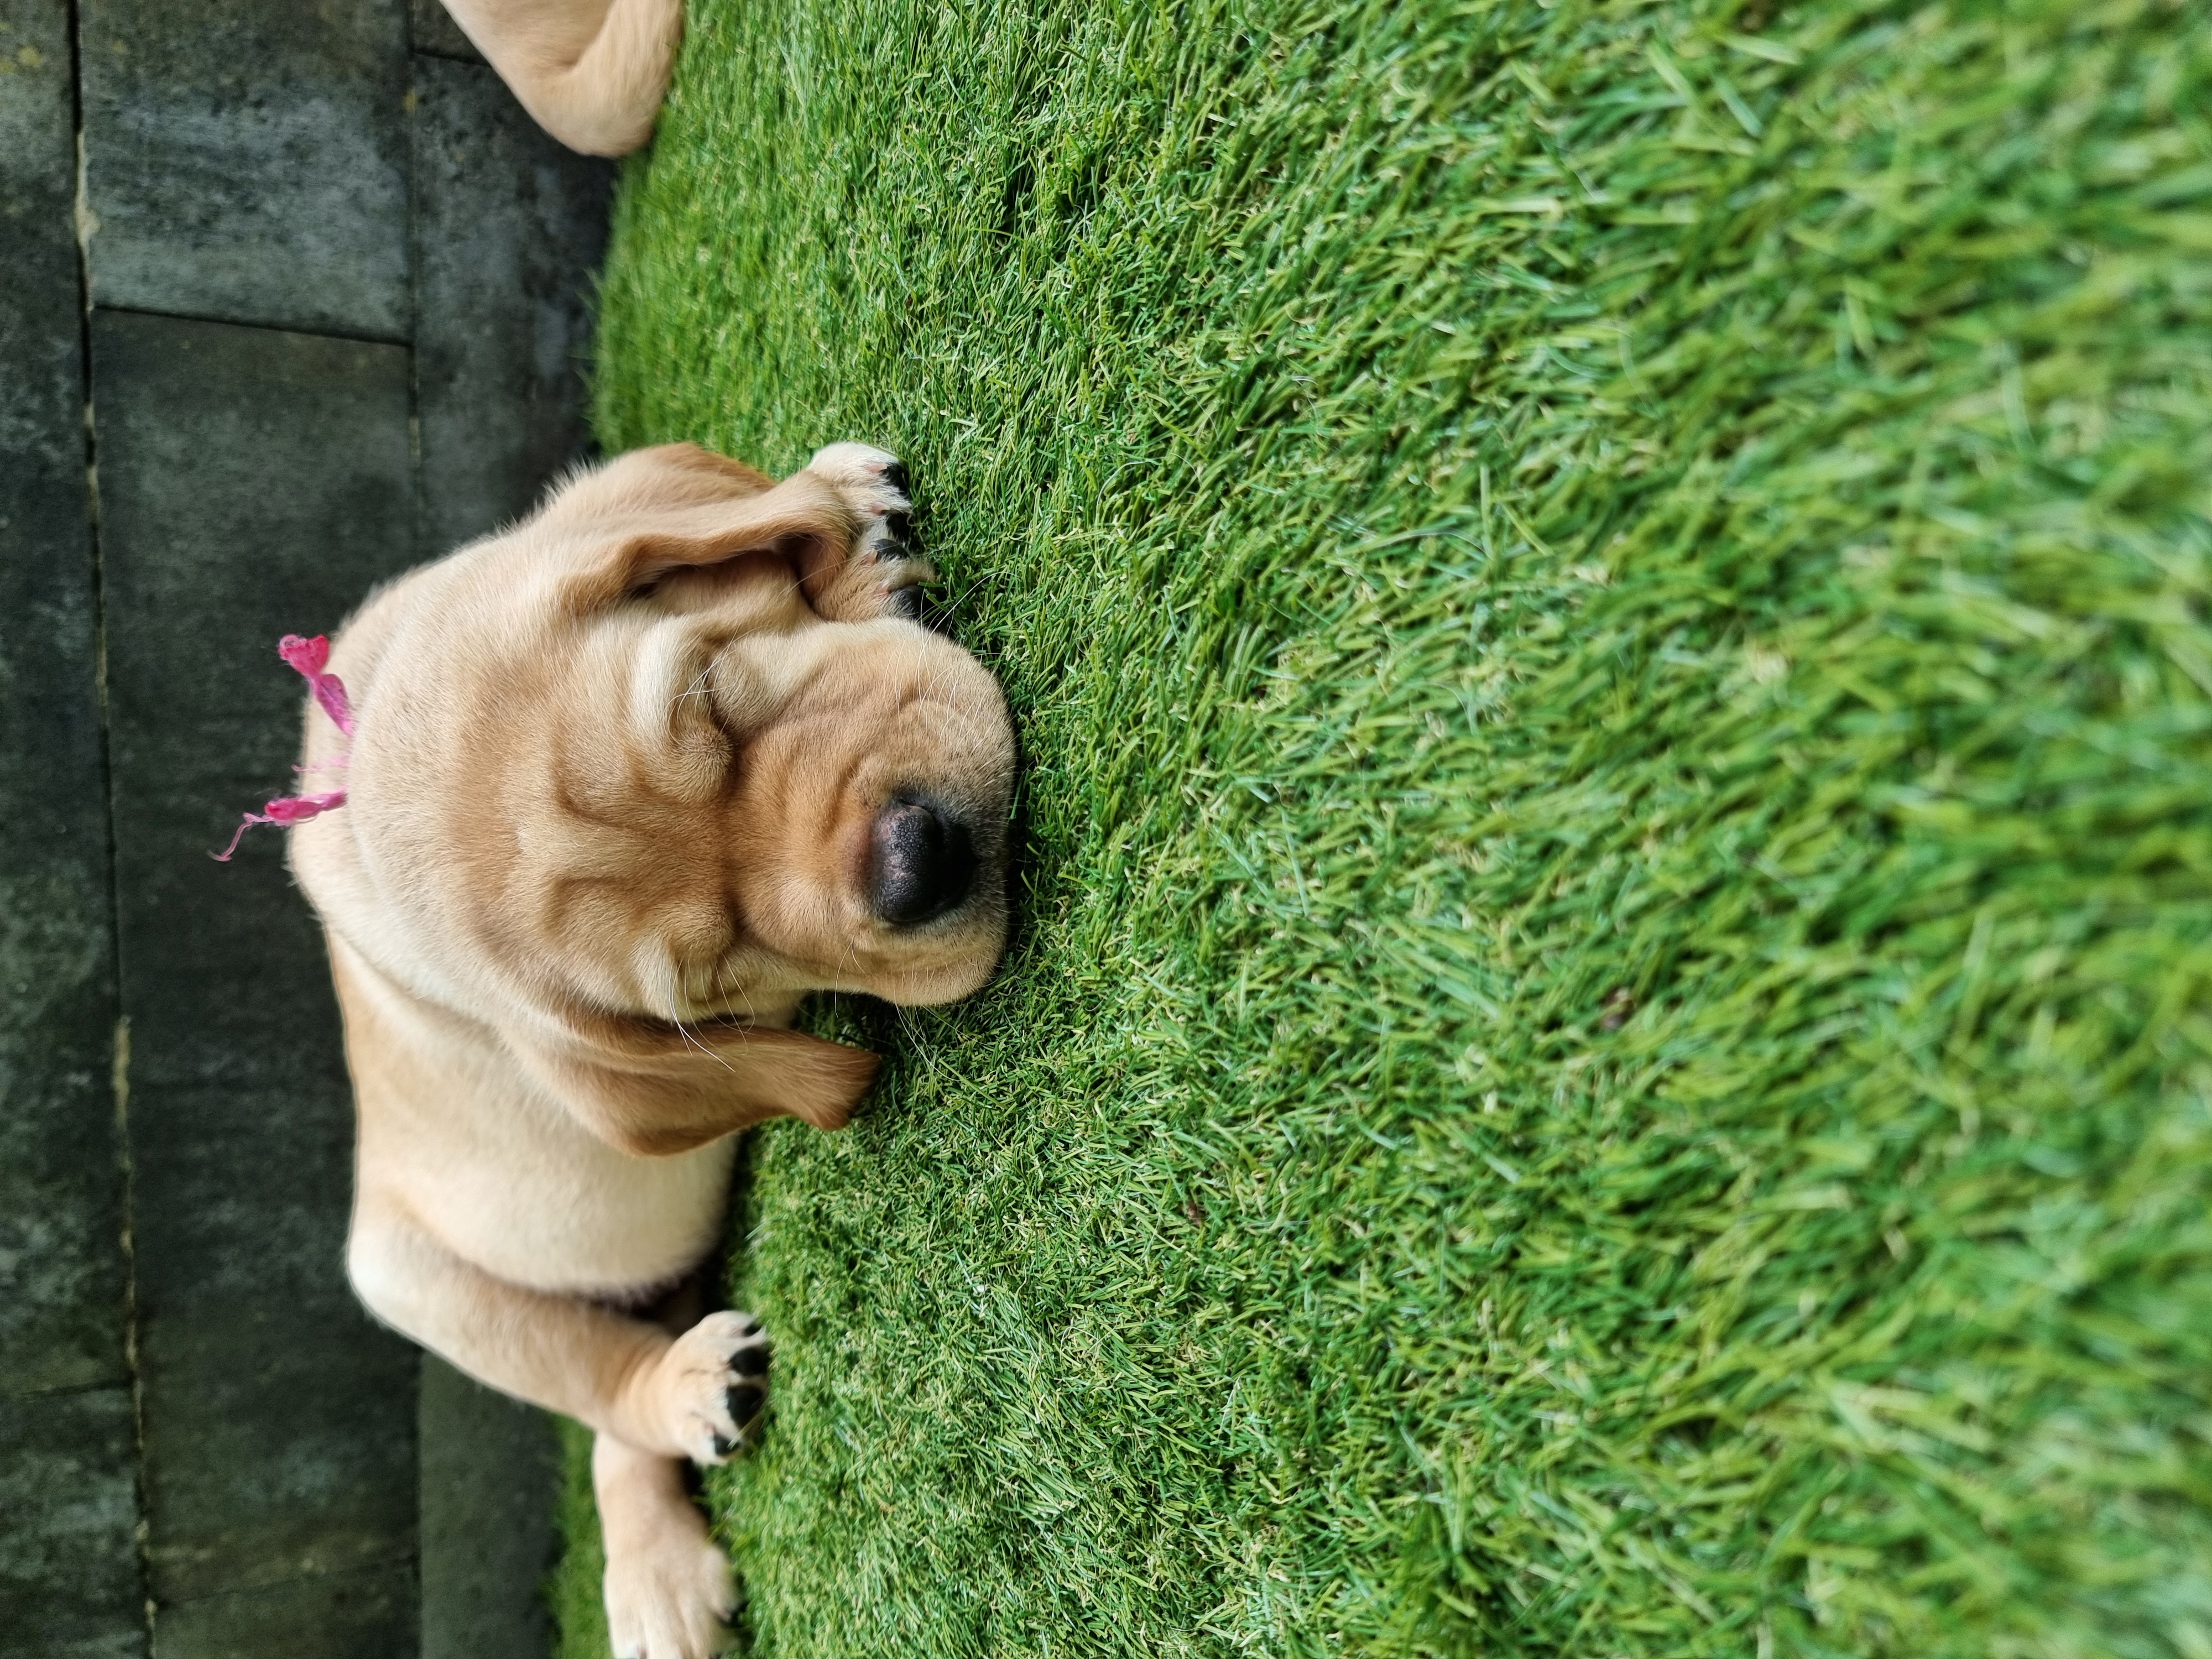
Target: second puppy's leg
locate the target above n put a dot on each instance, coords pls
(591, 72)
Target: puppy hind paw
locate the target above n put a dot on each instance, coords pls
(671, 1600)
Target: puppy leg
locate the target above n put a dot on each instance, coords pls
(591, 72)
(667, 1586)
(697, 1395)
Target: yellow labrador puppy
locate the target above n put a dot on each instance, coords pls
(591, 72)
(621, 786)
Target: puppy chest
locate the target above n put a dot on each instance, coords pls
(581, 1218)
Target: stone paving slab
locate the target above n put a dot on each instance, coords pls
(491, 1474)
(69, 1556)
(252, 483)
(368, 1615)
(509, 228)
(246, 160)
(431, 28)
(62, 1273)
(279, 1440)
(68, 1584)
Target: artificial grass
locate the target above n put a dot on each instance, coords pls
(1607, 606)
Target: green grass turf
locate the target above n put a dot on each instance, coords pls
(1608, 607)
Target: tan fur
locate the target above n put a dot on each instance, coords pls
(591, 72)
(610, 801)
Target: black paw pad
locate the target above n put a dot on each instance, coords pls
(749, 1326)
(895, 474)
(724, 1448)
(750, 1362)
(744, 1402)
(899, 526)
(904, 602)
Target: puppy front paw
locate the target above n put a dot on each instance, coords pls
(668, 1595)
(715, 1386)
(886, 572)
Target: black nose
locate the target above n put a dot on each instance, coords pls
(921, 863)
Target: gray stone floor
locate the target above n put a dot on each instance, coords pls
(292, 296)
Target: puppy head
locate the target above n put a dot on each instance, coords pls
(640, 769)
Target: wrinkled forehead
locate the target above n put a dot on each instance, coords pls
(550, 708)
(503, 661)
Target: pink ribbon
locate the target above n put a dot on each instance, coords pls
(311, 659)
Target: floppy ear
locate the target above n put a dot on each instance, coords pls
(648, 1089)
(666, 526)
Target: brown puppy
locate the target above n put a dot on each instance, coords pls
(591, 72)
(626, 782)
